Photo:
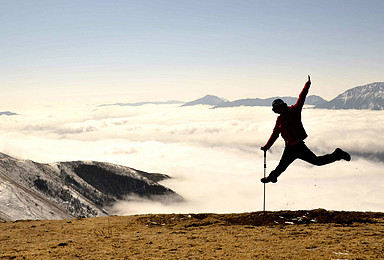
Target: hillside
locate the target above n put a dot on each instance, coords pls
(314, 234)
(62, 190)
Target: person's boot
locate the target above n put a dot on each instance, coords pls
(269, 179)
(340, 154)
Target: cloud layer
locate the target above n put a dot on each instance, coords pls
(212, 154)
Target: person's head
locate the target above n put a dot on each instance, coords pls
(279, 106)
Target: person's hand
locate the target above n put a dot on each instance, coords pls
(309, 80)
(263, 149)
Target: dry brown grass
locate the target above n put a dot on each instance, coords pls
(316, 234)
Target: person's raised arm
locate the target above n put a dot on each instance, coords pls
(303, 94)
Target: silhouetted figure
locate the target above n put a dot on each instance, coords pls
(289, 125)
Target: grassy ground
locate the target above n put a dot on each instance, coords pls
(316, 234)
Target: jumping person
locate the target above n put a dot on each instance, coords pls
(289, 125)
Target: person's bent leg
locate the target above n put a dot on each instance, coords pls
(287, 158)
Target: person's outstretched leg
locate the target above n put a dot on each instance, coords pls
(289, 155)
(308, 156)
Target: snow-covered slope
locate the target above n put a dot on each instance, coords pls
(30, 190)
(369, 96)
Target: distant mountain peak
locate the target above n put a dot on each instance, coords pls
(206, 100)
(370, 96)
(8, 113)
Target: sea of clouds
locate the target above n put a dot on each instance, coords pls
(212, 155)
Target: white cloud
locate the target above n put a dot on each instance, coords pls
(213, 155)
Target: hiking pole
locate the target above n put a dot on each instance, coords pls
(265, 170)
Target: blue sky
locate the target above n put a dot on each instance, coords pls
(162, 50)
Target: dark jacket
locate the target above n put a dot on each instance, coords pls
(289, 123)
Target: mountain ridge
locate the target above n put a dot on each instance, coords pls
(136, 104)
(311, 100)
(369, 96)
